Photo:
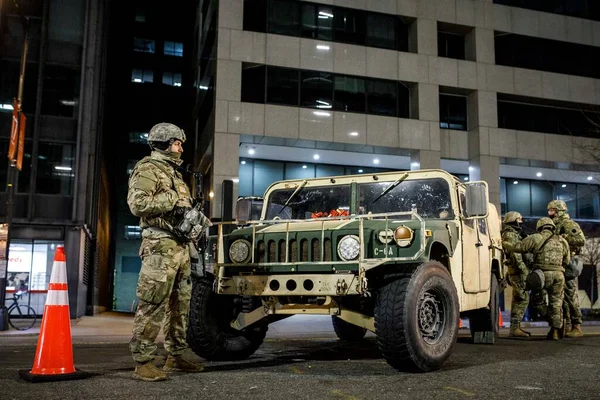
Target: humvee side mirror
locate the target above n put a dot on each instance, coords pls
(248, 209)
(477, 200)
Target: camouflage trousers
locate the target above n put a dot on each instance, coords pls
(520, 299)
(555, 287)
(571, 303)
(164, 290)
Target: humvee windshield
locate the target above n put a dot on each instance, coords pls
(430, 197)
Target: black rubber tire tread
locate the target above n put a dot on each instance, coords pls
(209, 337)
(396, 320)
(346, 331)
(487, 319)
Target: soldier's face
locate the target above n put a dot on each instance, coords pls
(551, 212)
(176, 147)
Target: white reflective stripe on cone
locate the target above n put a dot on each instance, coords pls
(59, 272)
(57, 298)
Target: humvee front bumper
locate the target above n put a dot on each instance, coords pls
(342, 284)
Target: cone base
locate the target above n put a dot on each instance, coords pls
(35, 378)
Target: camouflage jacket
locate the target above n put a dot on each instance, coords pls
(514, 260)
(155, 188)
(571, 231)
(552, 257)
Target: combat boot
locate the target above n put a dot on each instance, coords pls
(180, 364)
(575, 331)
(518, 332)
(553, 334)
(148, 372)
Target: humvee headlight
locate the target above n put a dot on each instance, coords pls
(349, 247)
(385, 236)
(239, 251)
(403, 236)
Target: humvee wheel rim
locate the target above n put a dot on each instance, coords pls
(431, 317)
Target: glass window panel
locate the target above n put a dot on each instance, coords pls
(503, 209)
(382, 31)
(133, 232)
(587, 202)
(173, 49)
(172, 79)
(246, 171)
(329, 170)
(265, 173)
(518, 196)
(349, 94)
(453, 112)
(316, 89)
(255, 15)
(317, 21)
(284, 17)
(299, 171)
(139, 75)
(282, 86)
(55, 166)
(451, 45)
(253, 83)
(60, 90)
(140, 15)
(143, 45)
(567, 192)
(138, 137)
(541, 194)
(349, 25)
(382, 97)
(308, 202)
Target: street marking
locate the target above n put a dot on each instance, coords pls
(528, 387)
(343, 395)
(459, 391)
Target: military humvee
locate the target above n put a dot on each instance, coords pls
(400, 254)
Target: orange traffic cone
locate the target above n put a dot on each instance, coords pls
(460, 323)
(54, 355)
(500, 323)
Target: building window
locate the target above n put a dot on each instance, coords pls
(143, 45)
(60, 87)
(316, 89)
(451, 45)
(317, 21)
(140, 15)
(381, 98)
(589, 9)
(171, 78)
(349, 94)
(173, 49)
(253, 87)
(55, 169)
(282, 86)
(284, 17)
(255, 15)
(453, 112)
(138, 137)
(383, 31)
(139, 75)
(133, 232)
(350, 26)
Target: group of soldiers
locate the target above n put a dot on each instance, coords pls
(536, 271)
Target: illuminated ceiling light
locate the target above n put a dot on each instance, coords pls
(353, 133)
(325, 14)
(236, 180)
(360, 171)
(589, 178)
(515, 182)
(251, 151)
(201, 87)
(6, 107)
(322, 113)
(60, 168)
(376, 161)
(466, 178)
(471, 168)
(304, 167)
(322, 47)
(211, 195)
(564, 185)
(137, 80)
(177, 84)
(316, 156)
(243, 162)
(538, 174)
(414, 164)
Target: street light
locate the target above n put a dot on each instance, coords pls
(17, 139)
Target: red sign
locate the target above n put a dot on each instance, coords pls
(14, 132)
(21, 147)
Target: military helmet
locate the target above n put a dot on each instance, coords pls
(511, 216)
(164, 132)
(545, 221)
(558, 205)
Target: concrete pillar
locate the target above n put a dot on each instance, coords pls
(225, 166)
(423, 37)
(424, 159)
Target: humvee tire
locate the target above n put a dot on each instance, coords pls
(346, 331)
(416, 319)
(484, 323)
(209, 333)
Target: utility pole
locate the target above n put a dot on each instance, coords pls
(13, 171)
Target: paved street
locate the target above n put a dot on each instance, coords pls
(303, 359)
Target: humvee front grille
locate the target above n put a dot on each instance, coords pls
(275, 252)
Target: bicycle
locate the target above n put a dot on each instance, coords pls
(20, 316)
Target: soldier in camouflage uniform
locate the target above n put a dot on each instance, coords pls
(551, 255)
(517, 273)
(570, 230)
(158, 195)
